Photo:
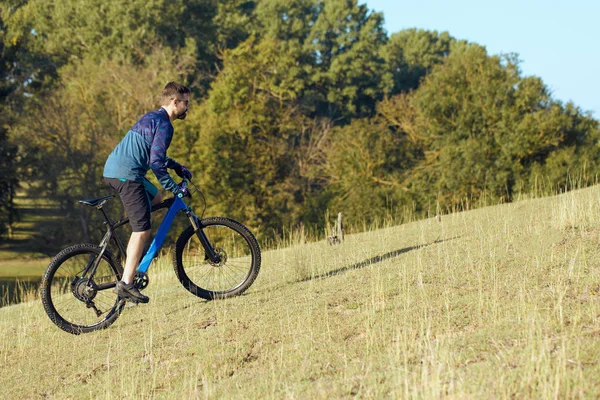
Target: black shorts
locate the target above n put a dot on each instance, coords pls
(137, 201)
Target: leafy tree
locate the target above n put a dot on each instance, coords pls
(68, 29)
(66, 136)
(473, 129)
(8, 181)
(263, 129)
(308, 105)
(250, 131)
(232, 22)
(336, 46)
(484, 127)
(410, 54)
(345, 42)
(15, 64)
(367, 165)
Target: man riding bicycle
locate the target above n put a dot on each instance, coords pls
(143, 148)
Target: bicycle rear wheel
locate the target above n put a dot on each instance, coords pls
(237, 269)
(76, 302)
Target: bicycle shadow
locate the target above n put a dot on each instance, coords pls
(373, 260)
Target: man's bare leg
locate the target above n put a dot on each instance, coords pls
(135, 248)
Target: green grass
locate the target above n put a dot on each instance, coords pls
(500, 302)
(20, 256)
(16, 268)
(25, 241)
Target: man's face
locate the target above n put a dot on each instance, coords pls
(181, 106)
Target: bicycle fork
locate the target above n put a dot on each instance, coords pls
(208, 248)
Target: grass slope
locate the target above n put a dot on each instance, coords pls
(498, 302)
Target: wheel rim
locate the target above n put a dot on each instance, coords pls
(77, 299)
(232, 269)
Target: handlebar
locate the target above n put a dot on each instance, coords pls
(184, 185)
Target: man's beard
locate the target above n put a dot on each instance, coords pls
(182, 116)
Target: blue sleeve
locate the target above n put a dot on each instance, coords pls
(159, 162)
(172, 164)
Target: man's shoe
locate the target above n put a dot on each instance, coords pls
(130, 292)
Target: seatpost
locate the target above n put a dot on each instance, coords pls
(105, 216)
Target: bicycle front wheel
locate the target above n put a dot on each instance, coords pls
(77, 299)
(237, 268)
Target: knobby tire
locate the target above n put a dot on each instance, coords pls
(58, 293)
(240, 259)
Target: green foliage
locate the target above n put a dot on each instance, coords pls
(66, 135)
(336, 46)
(410, 54)
(232, 22)
(251, 134)
(68, 29)
(300, 107)
(484, 128)
(345, 41)
(367, 165)
(473, 131)
(265, 126)
(13, 63)
(8, 181)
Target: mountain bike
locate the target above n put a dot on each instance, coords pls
(214, 258)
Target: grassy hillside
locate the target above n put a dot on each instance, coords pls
(498, 302)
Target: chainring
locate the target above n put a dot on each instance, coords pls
(141, 280)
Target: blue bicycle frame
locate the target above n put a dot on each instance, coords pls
(174, 205)
(163, 229)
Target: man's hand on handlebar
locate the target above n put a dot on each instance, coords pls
(183, 190)
(183, 172)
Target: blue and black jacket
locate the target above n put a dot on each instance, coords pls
(143, 148)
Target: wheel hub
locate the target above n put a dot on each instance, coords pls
(84, 289)
(221, 255)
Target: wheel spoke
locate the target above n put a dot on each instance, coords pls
(230, 276)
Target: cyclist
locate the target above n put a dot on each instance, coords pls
(143, 148)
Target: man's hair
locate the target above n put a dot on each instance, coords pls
(172, 90)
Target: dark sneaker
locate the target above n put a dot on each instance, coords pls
(130, 292)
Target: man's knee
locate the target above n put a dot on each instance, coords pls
(142, 236)
(157, 199)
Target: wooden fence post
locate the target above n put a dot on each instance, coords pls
(337, 236)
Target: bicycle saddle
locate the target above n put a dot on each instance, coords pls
(97, 202)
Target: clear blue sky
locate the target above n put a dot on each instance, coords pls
(557, 40)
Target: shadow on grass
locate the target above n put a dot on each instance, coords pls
(373, 260)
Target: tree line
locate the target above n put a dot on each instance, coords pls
(298, 107)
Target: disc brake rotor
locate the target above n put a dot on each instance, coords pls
(222, 255)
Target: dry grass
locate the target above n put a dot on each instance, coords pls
(500, 302)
